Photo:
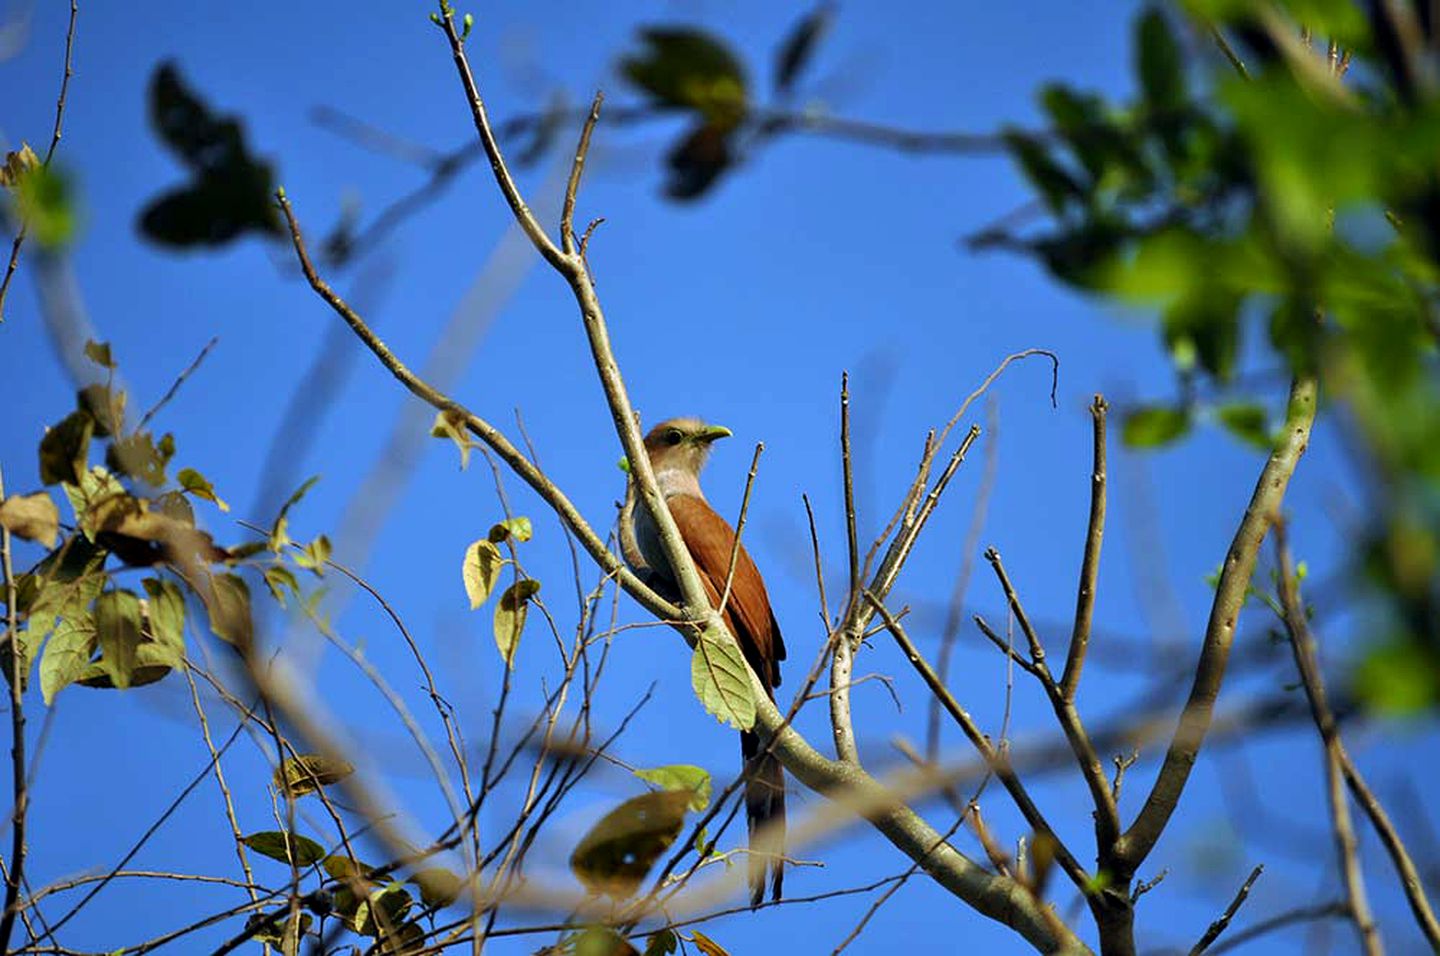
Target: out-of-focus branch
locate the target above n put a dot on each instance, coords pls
(1137, 842)
(1338, 765)
(49, 153)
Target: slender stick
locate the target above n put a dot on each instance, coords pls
(18, 671)
(1090, 563)
(1213, 932)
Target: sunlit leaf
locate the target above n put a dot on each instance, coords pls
(721, 679)
(451, 424)
(199, 486)
(481, 571)
(518, 528)
(706, 945)
(45, 200)
(689, 69)
(279, 536)
(307, 773)
(618, 851)
(118, 629)
(228, 603)
(1154, 426)
(67, 654)
(438, 886)
(33, 517)
(510, 613)
(681, 777)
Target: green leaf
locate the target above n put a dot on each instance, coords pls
(510, 614)
(600, 941)
(1159, 63)
(1248, 422)
(1398, 679)
(681, 777)
(439, 887)
(284, 931)
(99, 353)
(228, 603)
(721, 679)
(307, 773)
(67, 654)
(662, 943)
(277, 579)
(689, 69)
(392, 901)
(138, 456)
(617, 852)
(279, 536)
(45, 200)
(1155, 426)
(518, 528)
(697, 160)
(451, 424)
(199, 486)
(278, 845)
(33, 517)
(65, 449)
(1057, 187)
(118, 628)
(341, 867)
(314, 555)
(481, 571)
(165, 613)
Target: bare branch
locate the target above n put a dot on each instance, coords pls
(1090, 563)
(1137, 842)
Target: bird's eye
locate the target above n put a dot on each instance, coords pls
(672, 437)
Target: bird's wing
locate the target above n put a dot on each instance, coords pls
(710, 540)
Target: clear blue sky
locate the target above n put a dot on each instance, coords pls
(744, 309)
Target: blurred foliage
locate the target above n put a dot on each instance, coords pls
(230, 193)
(1277, 172)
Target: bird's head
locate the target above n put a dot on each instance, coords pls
(682, 444)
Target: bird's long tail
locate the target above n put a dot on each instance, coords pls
(765, 817)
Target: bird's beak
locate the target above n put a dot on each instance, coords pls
(711, 432)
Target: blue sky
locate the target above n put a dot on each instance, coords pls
(744, 308)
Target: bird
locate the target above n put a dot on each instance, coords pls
(678, 449)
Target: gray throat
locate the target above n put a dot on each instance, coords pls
(672, 481)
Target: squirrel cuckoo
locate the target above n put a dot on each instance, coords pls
(678, 449)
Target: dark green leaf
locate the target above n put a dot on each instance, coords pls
(65, 449)
(697, 160)
(1247, 422)
(662, 943)
(689, 69)
(105, 405)
(277, 579)
(231, 192)
(619, 850)
(1155, 426)
(800, 45)
(1160, 65)
(1057, 187)
(280, 846)
(279, 929)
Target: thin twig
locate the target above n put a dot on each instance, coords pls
(1216, 928)
(19, 668)
(1090, 563)
(175, 386)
